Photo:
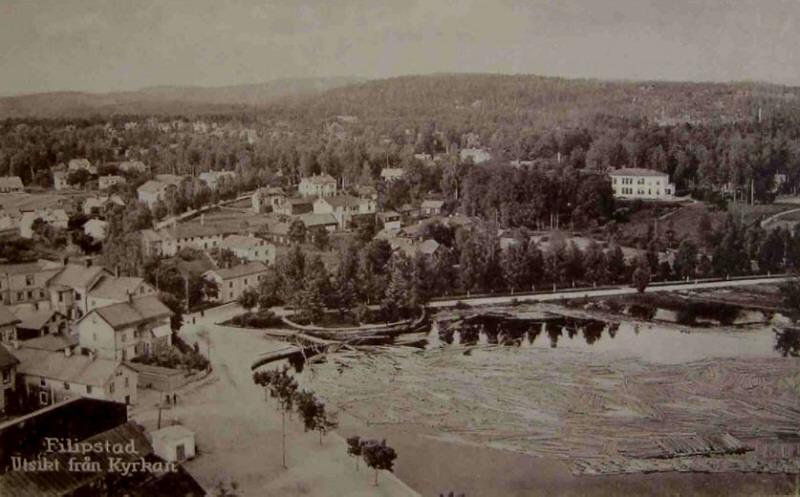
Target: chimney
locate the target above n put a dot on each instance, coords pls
(15, 344)
(65, 260)
(88, 262)
(130, 297)
(116, 270)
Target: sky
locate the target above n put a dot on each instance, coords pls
(113, 45)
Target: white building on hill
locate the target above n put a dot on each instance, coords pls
(646, 184)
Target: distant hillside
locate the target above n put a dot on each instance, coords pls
(522, 101)
(163, 99)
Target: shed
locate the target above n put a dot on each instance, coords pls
(173, 443)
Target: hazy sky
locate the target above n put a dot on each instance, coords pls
(107, 45)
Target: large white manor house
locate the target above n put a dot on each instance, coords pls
(642, 183)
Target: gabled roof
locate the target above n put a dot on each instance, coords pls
(315, 220)
(10, 182)
(79, 276)
(342, 201)
(189, 231)
(239, 271)
(7, 317)
(33, 320)
(76, 368)
(131, 313)
(432, 204)
(152, 186)
(428, 247)
(320, 179)
(241, 242)
(6, 358)
(94, 222)
(637, 171)
(170, 179)
(52, 343)
(115, 287)
(172, 433)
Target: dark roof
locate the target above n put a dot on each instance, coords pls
(79, 369)
(134, 312)
(6, 358)
(190, 231)
(33, 320)
(59, 483)
(240, 270)
(79, 276)
(7, 317)
(53, 343)
(637, 171)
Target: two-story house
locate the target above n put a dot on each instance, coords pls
(26, 284)
(214, 178)
(265, 199)
(69, 289)
(57, 376)
(322, 185)
(78, 164)
(57, 218)
(250, 248)
(8, 325)
(8, 377)
(60, 180)
(233, 281)
(196, 236)
(344, 208)
(152, 192)
(94, 206)
(646, 184)
(125, 330)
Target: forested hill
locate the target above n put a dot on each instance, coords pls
(539, 102)
(163, 100)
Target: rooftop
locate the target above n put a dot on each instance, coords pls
(189, 231)
(341, 200)
(10, 182)
(131, 313)
(76, 368)
(240, 270)
(637, 171)
(113, 287)
(315, 220)
(6, 358)
(152, 186)
(33, 320)
(172, 433)
(7, 317)
(79, 276)
(319, 179)
(52, 343)
(29, 267)
(241, 242)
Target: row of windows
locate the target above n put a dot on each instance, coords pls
(20, 296)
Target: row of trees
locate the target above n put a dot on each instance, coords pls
(282, 387)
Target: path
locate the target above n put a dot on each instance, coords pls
(607, 292)
(771, 219)
(239, 433)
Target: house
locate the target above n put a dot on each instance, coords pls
(233, 281)
(26, 284)
(214, 178)
(344, 208)
(180, 236)
(78, 164)
(133, 166)
(126, 330)
(106, 182)
(69, 289)
(152, 191)
(323, 185)
(432, 207)
(646, 184)
(392, 173)
(95, 228)
(8, 325)
(35, 324)
(94, 206)
(319, 221)
(391, 220)
(292, 206)
(476, 155)
(109, 290)
(10, 184)
(60, 180)
(265, 199)
(250, 248)
(278, 232)
(173, 443)
(57, 218)
(428, 247)
(56, 376)
(8, 377)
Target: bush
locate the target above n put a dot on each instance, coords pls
(260, 319)
(462, 305)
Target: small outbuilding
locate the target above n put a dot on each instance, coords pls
(173, 443)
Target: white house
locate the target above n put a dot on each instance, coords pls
(391, 220)
(633, 183)
(54, 217)
(265, 199)
(60, 180)
(392, 173)
(99, 205)
(250, 248)
(126, 330)
(95, 228)
(169, 241)
(173, 443)
(213, 178)
(106, 182)
(344, 208)
(10, 184)
(432, 207)
(58, 376)
(233, 281)
(152, 191)
(78, 164)
(478, 155)
(323, 185)
(69, 289)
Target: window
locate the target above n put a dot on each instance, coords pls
(42, 382)
(29, 280)
(30, 294)
(77, 296)
(41, 293)
(61, 297)
(124, 337)
(94, 337)
(6, 376)
(230, 285)
(111, 388)
(20, 295)
(127, 384)
(88, 389)
(66, 386)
